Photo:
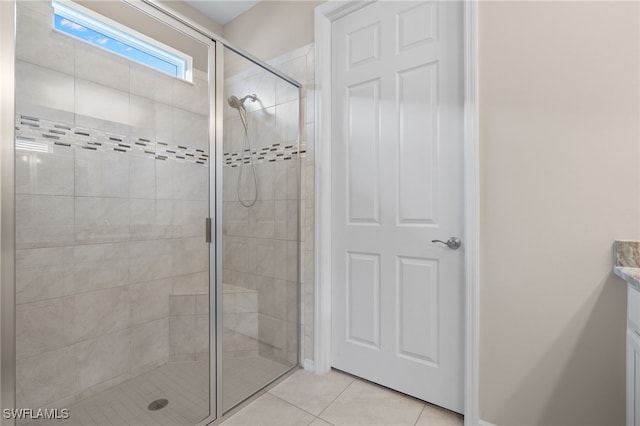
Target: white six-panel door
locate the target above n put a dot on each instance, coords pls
(397, 111)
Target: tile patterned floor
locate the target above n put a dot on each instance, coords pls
(335, 399)
(338, 399)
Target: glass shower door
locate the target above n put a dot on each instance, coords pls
(260, 196)
(112, 191)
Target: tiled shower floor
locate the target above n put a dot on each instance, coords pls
(185, 385)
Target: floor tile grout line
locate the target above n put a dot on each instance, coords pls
(353, 379)
(326, 421)
(291, 404)
(420, 415)
(381, 386)
(334, 399)
(425, 406)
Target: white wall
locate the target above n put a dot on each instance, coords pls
(559, 182)
(195, 15)
(272, 28)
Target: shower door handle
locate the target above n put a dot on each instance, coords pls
(207, 232)
(453, 243)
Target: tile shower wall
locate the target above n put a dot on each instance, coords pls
(260, 251)
(111, 196)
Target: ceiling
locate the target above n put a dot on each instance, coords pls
(222, 11)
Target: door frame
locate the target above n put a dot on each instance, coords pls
(325, 14)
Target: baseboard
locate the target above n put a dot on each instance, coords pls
(484, 423)
(309, 365)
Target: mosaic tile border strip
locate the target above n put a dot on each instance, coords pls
(268, 154)
(39, 134)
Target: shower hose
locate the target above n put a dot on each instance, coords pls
(246, 146)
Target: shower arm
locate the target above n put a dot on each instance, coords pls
(253, 98)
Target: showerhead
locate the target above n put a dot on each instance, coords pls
(234, 102)
(238, 104)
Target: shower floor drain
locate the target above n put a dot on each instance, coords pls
(158, 404)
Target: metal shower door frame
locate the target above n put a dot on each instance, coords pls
(7, 208)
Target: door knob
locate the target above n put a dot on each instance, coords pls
(453, 243)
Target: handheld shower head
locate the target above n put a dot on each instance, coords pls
(234, 102)
(238, 104)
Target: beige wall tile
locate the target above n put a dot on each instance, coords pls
(100, 312)
(114, 105)
(150, 260)
(142, 177)
(189, 181)
(193, 97)
(103, 358)
(190, 255)
(97, 266)
(43, 221)
(202, 304)
(197, 283)
(149, 300)
(45, 378)
(41, 273)
(50, 92)
(182, 337)
(190, 129)
(45, 173)
(99, 66)
(202, 334)
(182, 305)
(43, 326)
(100, 220)
(189, 218)
(36, 42)
(149, 345)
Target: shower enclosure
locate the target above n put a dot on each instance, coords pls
(156, 200)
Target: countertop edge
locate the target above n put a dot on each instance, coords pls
(630, 275)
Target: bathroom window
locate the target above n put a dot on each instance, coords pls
(88, 26)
